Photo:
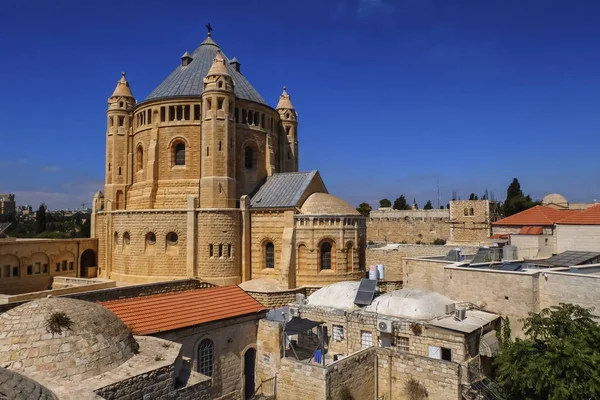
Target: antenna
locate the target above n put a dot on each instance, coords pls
(438, 193)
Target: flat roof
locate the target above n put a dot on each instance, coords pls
(475, 319)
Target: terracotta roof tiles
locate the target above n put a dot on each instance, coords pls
(538, 215)
(589, 216)
(531, 230)
(165, 312)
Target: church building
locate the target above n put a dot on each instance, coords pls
(202, 182)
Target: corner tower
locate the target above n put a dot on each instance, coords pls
(118, 146)
(289, 125)
(217, 181)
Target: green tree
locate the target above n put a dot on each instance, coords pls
(364, 209)
(558, 359)
(401, 204)
(428, 205)
(442, 207)
(516, 201)
(40, 219)
(385, 203)
(473, 196)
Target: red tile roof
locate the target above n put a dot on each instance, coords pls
(169, 311)
(531, 230)
(500, 236)
(538, 215)
(589, 216)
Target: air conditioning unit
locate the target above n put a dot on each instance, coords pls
(294, 312)
(383, 325)
(450, 308)
(460, 314)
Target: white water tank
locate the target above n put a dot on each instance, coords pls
(380, 274)
(373, 272)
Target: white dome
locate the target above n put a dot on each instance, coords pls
(413, 304)
(339, 295)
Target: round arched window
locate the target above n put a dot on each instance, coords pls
(172, 238)
(249, 158)
(150, 238)
(179, 154)
(126, 238)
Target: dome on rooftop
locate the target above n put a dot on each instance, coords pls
(326, 204)
(188, 80)
(416, 304)
(95, 340)
(555, 198)
(338, 295)
(261, 285)
(19, 387)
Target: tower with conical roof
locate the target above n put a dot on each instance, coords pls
(289, 126)
(217, 181)
(118, 146)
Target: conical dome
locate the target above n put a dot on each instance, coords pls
(218, 66)
(284, 101)
(122, 89)
(188, 81)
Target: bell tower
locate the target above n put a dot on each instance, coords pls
(289, 125)
(217, 181)
(118, 147)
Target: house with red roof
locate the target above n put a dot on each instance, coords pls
(533, 231)
(217, 328)
(580, 231)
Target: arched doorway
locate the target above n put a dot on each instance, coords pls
(88, 259)
(249, 364)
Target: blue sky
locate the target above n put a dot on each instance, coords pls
(392, 96)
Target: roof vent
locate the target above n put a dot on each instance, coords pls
(235, 63)
(186, 59)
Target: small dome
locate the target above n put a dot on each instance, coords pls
(122, 89)
(414, 304)
(261, 285)
(92, 340)
(326, 204)
(555, 198)
(19, 387)
(338, 295)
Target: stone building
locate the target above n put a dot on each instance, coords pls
(403, 336)
(202, 181)
(7, 204)
(59, 348)
(216, 328)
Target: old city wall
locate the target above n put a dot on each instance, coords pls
(439, 379)
(140, 259)
(470, 221)
(392, 258)
(407, 230)
(29, 265)
(353, 376)
(231, 339)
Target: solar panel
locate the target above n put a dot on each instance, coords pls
(510, 267)
(365, 293)
(569, 258)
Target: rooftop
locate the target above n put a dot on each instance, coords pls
(284, 190)
(327, 204)
(590, 216)
(165, 312)
(537, 216)
(188, 80)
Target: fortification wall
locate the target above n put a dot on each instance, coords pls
(406, 230)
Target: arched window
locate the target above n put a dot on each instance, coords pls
(301, 257)
(179, 154)
(172, 238)
(116, 237)
(205, 357)
(126, 238)
(140, 158)
(325, 256)
(466, 212)
(471, 211)
(249, 157)
(150, 238)
(269, 255)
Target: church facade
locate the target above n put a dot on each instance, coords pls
(202, 181)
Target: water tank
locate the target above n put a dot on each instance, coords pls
(380, 274)
(373, 272)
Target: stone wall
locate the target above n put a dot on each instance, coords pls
(298, 381)
(352, 376)
(533, 246)
(392, 258)
(268, 350)
(440, 379)
(470, 221)
(157, 383)
(29, 265)
(578, 238)
(406, 230)
(276, 299)
(561, 287)
(267, 226)
(231, 339)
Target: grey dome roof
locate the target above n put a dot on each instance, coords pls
(338, 295)
(188, 80)
(415, 304)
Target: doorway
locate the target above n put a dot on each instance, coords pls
(249, 365)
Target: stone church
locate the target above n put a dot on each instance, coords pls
(202, 181)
